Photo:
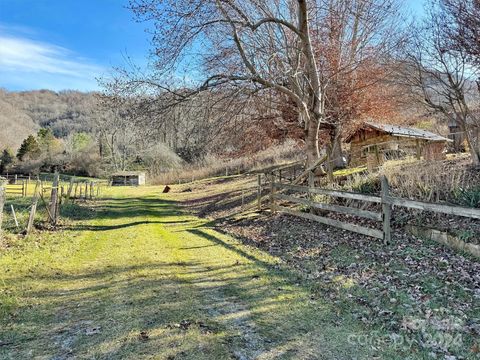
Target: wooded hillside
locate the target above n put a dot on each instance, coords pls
(23, 113)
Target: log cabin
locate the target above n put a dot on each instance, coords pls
(371, 144)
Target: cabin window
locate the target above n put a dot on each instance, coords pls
(368, 150)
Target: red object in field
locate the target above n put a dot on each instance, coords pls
(166, 189)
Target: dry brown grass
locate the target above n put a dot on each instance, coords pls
(453, 180)
(214, 166)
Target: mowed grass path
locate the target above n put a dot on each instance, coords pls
(138, 278)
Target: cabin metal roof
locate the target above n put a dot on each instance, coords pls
(400, 131)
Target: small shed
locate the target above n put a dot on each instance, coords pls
(371, 144)
(128, 178)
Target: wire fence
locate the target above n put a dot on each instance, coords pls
(25, 202)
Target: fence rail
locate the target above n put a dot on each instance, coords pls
(376, 233)
(329, 207)
(335, 193)
(51, 195)
(438, 208)
(387, 202)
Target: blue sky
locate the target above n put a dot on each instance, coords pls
(66, 44)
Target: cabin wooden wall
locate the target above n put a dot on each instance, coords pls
(411, 146)
(357, 156)
(434, 151)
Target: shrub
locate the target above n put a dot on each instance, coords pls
(467, 197)
(453, 181)
(212, 165)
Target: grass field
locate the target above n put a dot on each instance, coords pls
(133, 276)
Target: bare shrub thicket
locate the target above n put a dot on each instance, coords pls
(216, 166)
(452, 181)
(439, 181)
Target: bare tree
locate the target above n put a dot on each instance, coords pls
(464, 27)
(118, 131)
(269, 45)
(441, 77)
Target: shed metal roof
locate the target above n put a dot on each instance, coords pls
(396, 130)
(129, 173)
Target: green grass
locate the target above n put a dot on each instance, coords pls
(135, 276)
(139, 278)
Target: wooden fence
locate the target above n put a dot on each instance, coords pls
(17, 188)
(386, 200)
(2, 202)
(51, 195)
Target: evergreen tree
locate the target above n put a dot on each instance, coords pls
(49, 145)
(46, 140)
(6, 159)
(29, 148)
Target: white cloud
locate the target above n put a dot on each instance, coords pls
(21, 58)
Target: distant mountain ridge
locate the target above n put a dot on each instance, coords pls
(23, 113)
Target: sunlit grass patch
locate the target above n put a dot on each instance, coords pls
(349, 171)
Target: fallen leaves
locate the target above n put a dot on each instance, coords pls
(186, 324)
(409, 278)
(143, 336)
(92, 331)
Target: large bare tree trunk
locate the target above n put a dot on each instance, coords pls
(336, 155)
(311, 142)
(473, 141)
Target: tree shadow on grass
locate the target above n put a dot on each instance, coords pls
(121, 208)
(85, 227)
(236, 249)
(103, 313)
(130, 307)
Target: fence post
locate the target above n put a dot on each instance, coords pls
(259, 192)
(25, 188)
(62, 194)
(311, 185)
(329, 164)
(2, 203)
(386, 210)
(272, 193)
(33, 210)
(70, 188)
(14, 216)
(54, 199)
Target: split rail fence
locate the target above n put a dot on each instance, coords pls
(279, 192)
